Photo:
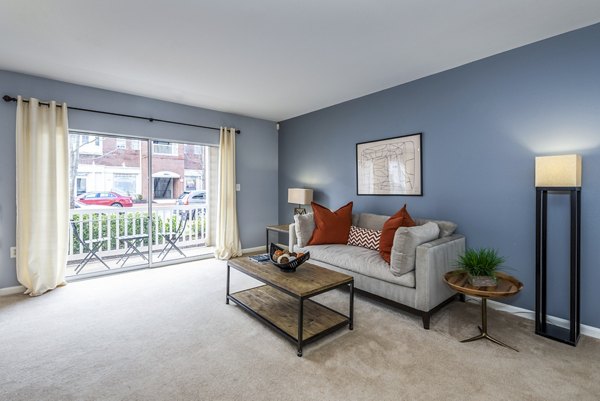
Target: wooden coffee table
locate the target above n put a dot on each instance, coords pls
(283, 302)
(505, 287)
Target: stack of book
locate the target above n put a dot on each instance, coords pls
(262, 258)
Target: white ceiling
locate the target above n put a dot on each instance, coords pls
(272, 59)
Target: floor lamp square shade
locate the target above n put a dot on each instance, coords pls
(558, 171)
(300, 196)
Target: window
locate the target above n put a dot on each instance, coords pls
(191, 183)
(88, 144)
(125, 183)
(81, 185)
(113, 189)
(165, 148)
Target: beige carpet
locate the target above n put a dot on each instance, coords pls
(166, 334)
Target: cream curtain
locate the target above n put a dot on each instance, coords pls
(212, 185)
(42, 195)
(227, 244)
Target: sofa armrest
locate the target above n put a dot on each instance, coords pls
(434, 259)
(292, 241)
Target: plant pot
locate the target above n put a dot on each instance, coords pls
(482, 281)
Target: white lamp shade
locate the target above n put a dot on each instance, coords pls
(300, 196)
(558, 171)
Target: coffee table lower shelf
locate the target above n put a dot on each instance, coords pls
(282, 313)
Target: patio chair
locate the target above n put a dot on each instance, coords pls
(171, 238)
(90, 247)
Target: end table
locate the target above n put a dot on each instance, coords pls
(283, 228)
(505, 287)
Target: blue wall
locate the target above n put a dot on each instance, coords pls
(257, 200)
(483, 124)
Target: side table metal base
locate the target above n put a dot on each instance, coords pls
(483, 329)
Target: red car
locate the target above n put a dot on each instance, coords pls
(105, 199)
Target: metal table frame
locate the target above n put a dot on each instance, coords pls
(132, 242)
(483, 333)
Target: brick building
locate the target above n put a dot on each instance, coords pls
(121, 164)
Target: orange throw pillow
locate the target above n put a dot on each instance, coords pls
(331, 227)
(400, 219)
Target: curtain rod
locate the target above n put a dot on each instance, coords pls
(8, 98)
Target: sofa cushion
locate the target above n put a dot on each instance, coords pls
(372, 221)
(406, 241)
(331, 227)
(358, 260)
(376, 221)
(304, 225)
(364, 237)
(400, 219)
(447, 228)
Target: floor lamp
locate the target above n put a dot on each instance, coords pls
(557, 175)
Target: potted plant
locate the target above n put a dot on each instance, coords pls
(480, 265)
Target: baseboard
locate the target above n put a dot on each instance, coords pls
(261, 248)
(19, 289)
(255, 249)
(528, 314)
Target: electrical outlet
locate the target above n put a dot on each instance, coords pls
(13, 251)
(237, 187)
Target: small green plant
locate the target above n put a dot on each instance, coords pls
(480, 262)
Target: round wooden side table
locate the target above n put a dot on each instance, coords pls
(506, 286)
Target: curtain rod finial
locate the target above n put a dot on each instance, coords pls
(7, 98)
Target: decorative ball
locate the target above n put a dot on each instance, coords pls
(285, 258)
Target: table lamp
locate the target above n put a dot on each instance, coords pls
(300, 196)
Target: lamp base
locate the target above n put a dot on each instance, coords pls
(560, 334)
(299, 210)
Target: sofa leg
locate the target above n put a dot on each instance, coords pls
(425, 318)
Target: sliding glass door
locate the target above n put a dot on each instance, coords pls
(181, 201)
(109, 214)
(136, 202)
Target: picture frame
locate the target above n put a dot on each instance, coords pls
(391, 166)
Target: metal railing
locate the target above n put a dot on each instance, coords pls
(110, 223)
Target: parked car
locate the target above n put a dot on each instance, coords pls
(78, 205)
(105, 198)
(191, 197)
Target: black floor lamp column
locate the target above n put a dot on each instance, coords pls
(558, 175)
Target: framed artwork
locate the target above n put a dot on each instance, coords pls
(390, 166)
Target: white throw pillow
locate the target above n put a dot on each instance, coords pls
(305, 225)
(406, 241)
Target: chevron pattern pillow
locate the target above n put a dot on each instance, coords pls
(364, 237)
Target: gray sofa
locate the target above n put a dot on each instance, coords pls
(413, 279)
